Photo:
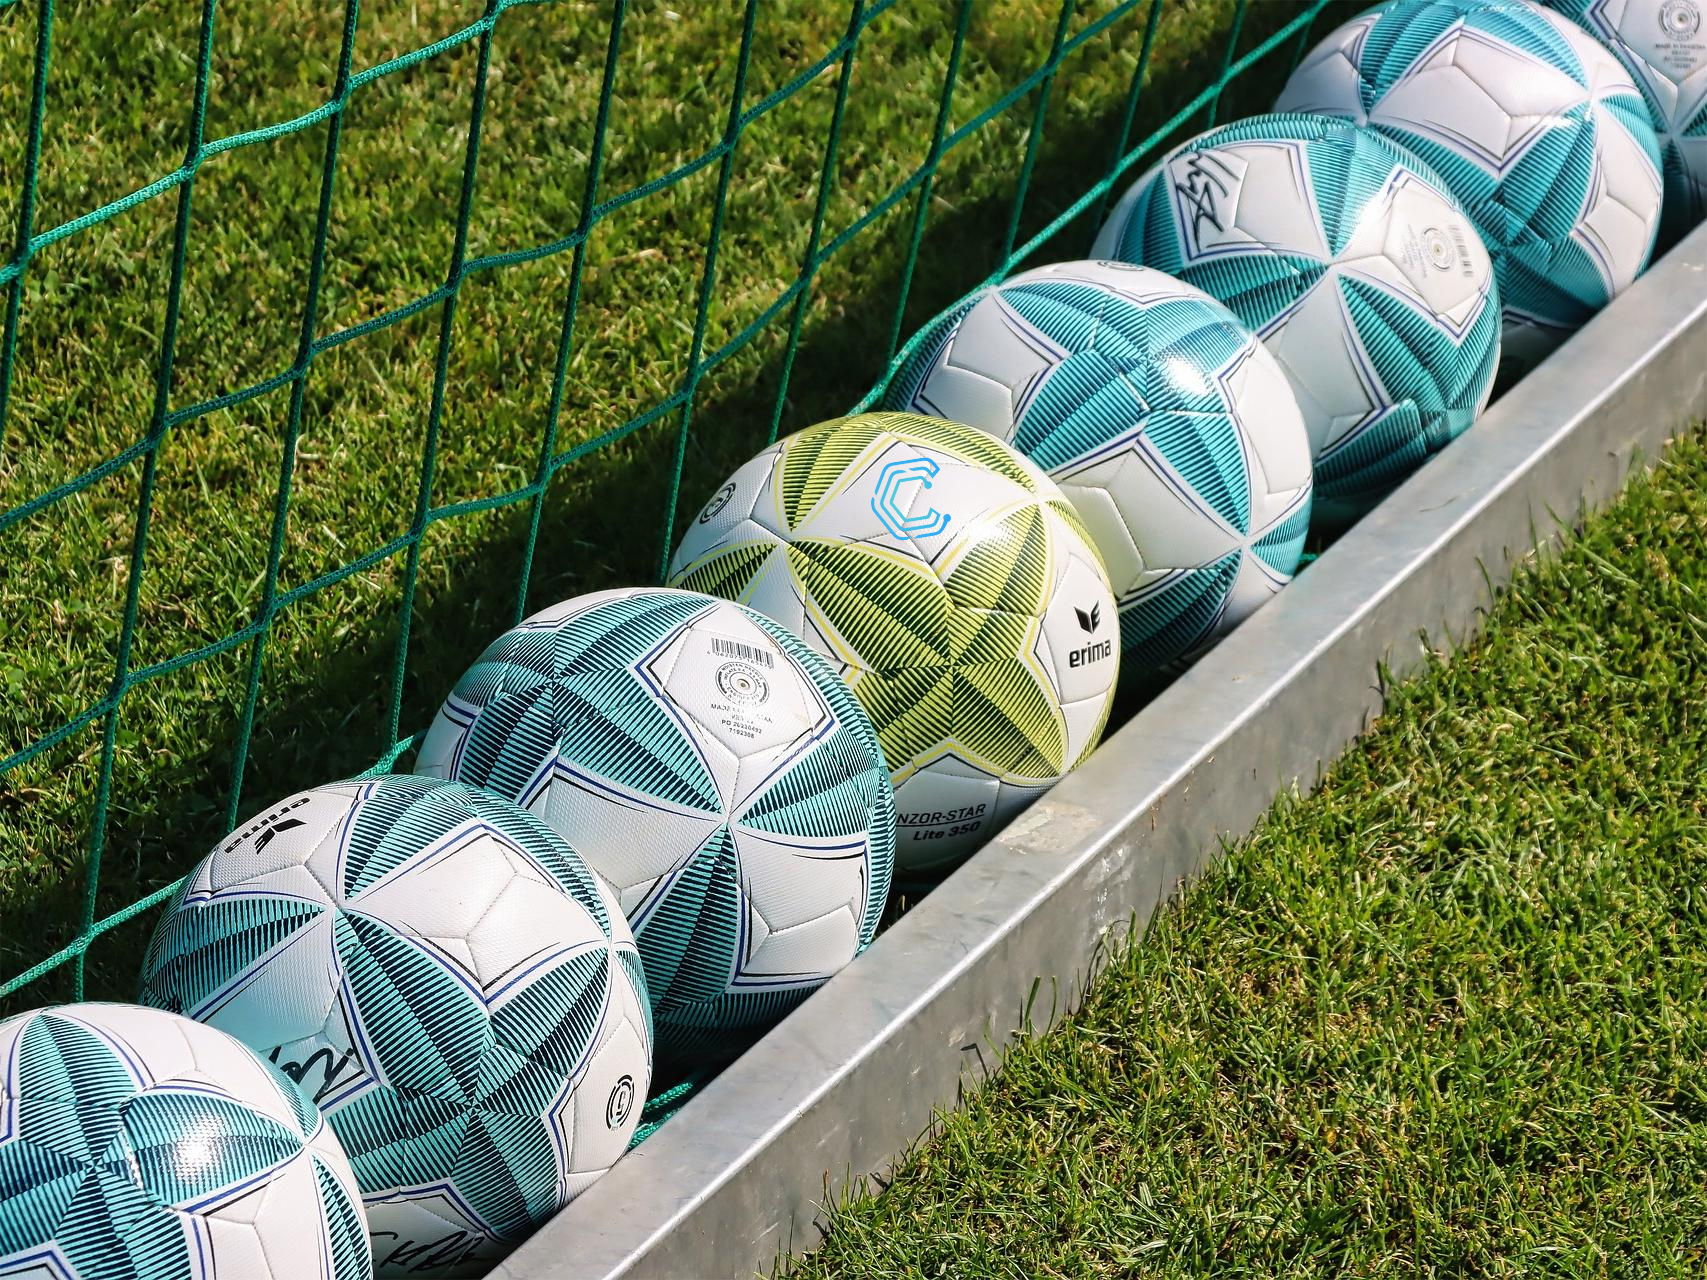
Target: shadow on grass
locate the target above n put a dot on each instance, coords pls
(323, 715)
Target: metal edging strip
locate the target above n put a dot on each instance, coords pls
(849, 1081)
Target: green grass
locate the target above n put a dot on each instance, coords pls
(93, 308)
(1447, 1016)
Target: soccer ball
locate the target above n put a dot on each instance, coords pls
(448, 982)
(1534, 127)
(952, 584)
(138, 1145)
(1169, 427)
(1354, 265)
(714, 772)
(1664, 48)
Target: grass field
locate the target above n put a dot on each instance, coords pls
(93, 311)
(1446, 1017)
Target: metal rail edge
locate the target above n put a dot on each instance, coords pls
(848, 1082)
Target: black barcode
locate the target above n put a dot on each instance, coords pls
(748, 652)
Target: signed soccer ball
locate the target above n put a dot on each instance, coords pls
(1537, 130)
(1355, 266)
(450, 984)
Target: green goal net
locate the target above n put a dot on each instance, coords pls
(336, 339)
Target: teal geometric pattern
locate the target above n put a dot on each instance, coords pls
(1282, 547)
(352, 1254)
(1188, 604)
(241, 1143)
(465, 1086)
(1529, 198)
(112, 1160)
(534, 682)
(199, 947)
(703, 914)
(1429, 375)
(570, 704)
(1255, 287)
(459, 1086)
(1526, 217)
(1350, 175)
(1407, 29)
(205, 946)
(1137, 375)
(1143, 347)
(1407, 349)
(1679, 121)
(403, 814)
(841, 793)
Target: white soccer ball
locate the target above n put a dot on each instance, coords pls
(1663, 45)
(137, 1144)
(954, 587)
(714, 772)
(1537, 130)
(1168, 425)
(449, 983)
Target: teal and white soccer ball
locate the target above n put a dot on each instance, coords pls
(1167, 424)
(1350, 259)
(1663, 45)
(138, 1145)
(447, 980)
(1537, 130)
(714, 772)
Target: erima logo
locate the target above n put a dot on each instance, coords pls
(238, 837)
(266, 837)
(1096, 650)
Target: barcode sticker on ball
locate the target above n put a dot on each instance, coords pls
(747, 652)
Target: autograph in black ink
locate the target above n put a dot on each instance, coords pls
(330, 1066)
(1207, 179)
(396, 1254)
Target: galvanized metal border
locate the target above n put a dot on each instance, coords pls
(849, 1081)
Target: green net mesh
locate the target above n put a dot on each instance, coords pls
(189, 623)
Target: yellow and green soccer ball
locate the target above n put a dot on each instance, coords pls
(954, 587)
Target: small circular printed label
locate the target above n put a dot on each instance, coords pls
(742, 682)
(1438, 248)
(621, 1100)
(1680, 19)
(718, 501)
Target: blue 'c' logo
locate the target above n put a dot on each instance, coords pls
(883, 502)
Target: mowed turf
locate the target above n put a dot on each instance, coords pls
(1445, 1017)
(119, 114)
